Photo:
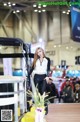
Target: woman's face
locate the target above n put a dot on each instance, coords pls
(40, 52)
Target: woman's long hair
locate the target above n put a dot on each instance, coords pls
(36, 57)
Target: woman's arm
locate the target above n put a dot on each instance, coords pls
(48, 66)
(31, 70)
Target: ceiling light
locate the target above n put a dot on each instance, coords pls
(54, 46)
(43, 10)
(68, 10)
(17, 11)
(5, 4)
(67, 13)
(0, 47)
(35, 10)
(63, 12)
(40, 40)
(39, 6)
(14, 12)
(34, 5)
(13, 4)
(9, 3)
(44, 5)
(67, 48)
(39, 11)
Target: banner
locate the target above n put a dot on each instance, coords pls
(75, 20)
(7, 64)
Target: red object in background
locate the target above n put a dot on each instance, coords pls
(64, 74)
(50, 74)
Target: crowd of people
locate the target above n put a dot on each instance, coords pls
(70, 93)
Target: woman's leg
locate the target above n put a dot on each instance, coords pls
(40, 82)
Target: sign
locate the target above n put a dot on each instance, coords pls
(75, 20)
(7, 62)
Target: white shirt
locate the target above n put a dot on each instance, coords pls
(41, 68)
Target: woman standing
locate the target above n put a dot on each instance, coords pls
(40, 69)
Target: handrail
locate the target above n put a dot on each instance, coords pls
(18, 93)
(8, 101)
(5, 41)
(11, 93)
(13, 55)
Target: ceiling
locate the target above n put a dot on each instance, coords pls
(25, 5)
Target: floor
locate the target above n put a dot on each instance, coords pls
(63, 112)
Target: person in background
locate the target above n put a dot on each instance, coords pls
(67, 92)
(52, 90)
(77, 93)
(74, 81)
(40, 70)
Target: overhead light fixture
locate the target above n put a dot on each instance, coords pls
(0, 47)
(34, 5)
(67, 13)
(5, 4)
(39, 6)
(67, 48)
(64, 12)
(35, 10)
(13, 4)
(43, 10)
(44, 5)
(40, 40)
(18, 11)
(9, 3)
(68, 10)
(54, 46)
(14, 12)
(39, 11)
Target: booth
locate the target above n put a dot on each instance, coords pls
(13, 88)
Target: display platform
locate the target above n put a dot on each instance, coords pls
(63, 112)
(19, 92)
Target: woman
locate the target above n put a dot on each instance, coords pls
(40, 69)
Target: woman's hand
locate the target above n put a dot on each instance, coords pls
(49, 80)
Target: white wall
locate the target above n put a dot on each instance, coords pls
(61, 53)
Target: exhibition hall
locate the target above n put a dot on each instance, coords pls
(39, 60)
